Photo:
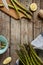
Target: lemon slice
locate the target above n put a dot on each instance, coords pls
(33, 7)
(7, 60)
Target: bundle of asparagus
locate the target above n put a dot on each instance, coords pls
(28, 56)
(19, 8)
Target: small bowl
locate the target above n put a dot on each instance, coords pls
(3, 39)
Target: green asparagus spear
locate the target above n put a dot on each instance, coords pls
(18, 9)
(38, 63)
(2, 47)
(32, 60)
(15, 8)
(20, 57)
(36, 55)
(27, 15)
(2, 5)
(17, 3)
(25, 57)
(26, 53)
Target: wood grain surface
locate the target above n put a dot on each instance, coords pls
(20, 31)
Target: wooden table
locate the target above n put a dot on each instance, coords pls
(17, 31)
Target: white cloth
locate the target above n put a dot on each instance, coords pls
(38, 42)
(5, 4)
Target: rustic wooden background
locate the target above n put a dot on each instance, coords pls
(17, 31)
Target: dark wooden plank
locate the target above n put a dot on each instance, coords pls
(41, 6)
(0, 25)
(29, 24)
(4, 31)
(0, 14)
(25, 24)
(4, 25)
(36, 20)
(15, 38)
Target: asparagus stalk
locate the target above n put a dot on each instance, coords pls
(27, 61)
(10, 6)
(21, 58)
(35, 55)
(15, 8)
(32, 60)
(36, 61)
(25, 57)
(1, 5)
(26, 53)
(27, 15)
(17, 3)
(18, 9)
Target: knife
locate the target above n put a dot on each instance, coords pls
(5, 4)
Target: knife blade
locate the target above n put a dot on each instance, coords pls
(5, 4)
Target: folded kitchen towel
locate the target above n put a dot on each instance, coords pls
(38, 42)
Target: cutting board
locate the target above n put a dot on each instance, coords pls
(11, 12)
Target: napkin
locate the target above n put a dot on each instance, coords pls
(5, 4)
(38, 42)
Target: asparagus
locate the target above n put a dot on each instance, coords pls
(38, 63)
(15, 8)
(18, 9)
(27, 61)
(27, 15)
(17, 3)
(1, 5)
(26, 53)
(26, 58)
(10, 6)
(35, 55)
(20, 57)
(23, 58)
(2, 47)
(32, 60)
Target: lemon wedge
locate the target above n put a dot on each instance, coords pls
(7, 60)
(33, 7)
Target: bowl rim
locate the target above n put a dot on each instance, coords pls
(3, 39)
